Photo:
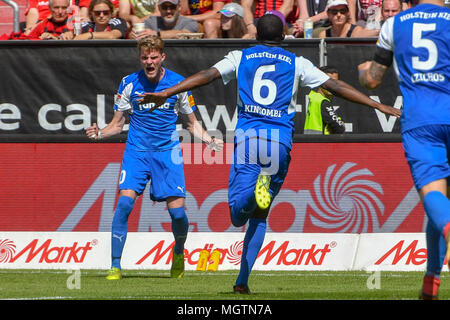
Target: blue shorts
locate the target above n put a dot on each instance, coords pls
(426, 151)
(252, 157)
(163, 168)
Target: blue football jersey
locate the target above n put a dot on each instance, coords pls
(420, 40)
(267, 82)
(156, 130)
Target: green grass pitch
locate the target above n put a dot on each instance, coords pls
(197, 285)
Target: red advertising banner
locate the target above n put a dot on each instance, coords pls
(330, 187)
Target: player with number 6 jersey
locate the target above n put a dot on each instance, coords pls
(268, 78)
(267, 96)
(417, 42)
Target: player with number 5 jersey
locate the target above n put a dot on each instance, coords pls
(419, 40)
(268, 78)
(417, 43)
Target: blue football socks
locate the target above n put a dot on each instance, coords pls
(253, 240)
(120, 228)
(180, 227)
(436, 249)
(437, 208)
(243, 208)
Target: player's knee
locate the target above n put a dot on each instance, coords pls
(177, 213)
(124, 206)
(260, 213)
(236, 222)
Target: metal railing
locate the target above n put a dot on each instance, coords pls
(15, 7)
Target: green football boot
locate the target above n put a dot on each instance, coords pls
(177, 269)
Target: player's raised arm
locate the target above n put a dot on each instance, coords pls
(371, 74)
(113, 128)
(199, 79)
(346, 91)
(196, 129)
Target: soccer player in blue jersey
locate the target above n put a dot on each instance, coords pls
(268, 78)
(152, 149)
(418, 42)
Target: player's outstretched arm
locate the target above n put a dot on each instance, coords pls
(199, 79)
(113, 128)
(346, 91)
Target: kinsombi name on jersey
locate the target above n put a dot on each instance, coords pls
(263, 111)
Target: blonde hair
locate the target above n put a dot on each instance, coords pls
(151, 43)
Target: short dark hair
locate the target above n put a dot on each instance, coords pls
(329, 69)
(269, 28)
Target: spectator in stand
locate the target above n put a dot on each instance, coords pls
(367, 12)
(135, 11)
(341, 27)
(84, 9)
(206, 13)
(310, 9)
(406, 4)
(57, 26)
(390, 8)
(286, 7)
(36, 12)
(102, 24)
(315, 10)
(232, 23)
(169, 24)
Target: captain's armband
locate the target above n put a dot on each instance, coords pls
(383, 56)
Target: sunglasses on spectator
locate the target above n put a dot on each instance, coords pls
(168, 7)
(335, 11)
(99, 12)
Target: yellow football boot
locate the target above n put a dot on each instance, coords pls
(114, 274)
(262, 194)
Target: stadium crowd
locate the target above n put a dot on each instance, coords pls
(193, 19)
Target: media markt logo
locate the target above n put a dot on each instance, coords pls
(160, 251)
(45, 252)
(274, 252)
(347, 199)
(235, 252)
(7, 250)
